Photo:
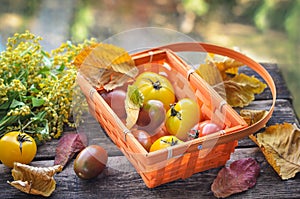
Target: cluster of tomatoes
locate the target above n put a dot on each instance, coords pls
(163, 119)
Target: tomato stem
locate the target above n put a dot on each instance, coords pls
(21, 139)
(156, 85)
(175, 112)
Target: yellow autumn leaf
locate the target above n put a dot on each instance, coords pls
(106, 66)
(133, 102)
(240, 90)
(252, 116)
(34, 180)
(280, 144)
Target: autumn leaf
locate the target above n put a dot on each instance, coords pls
(280, 144)
(240, 176)
(252, 116)
(34, 180)
(240, 90)
(68, 145)
(106, 66)
(133, 102)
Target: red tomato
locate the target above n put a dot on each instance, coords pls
(152, 115)
(203, 128)
(116, 100)
(158, 135)
(143, 137)
(90, 162)
(209, 128)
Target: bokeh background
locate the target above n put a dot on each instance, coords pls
(265, 30)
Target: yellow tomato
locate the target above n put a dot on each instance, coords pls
(155, 87)
(17, 147)
(164, 142)
(181, 117)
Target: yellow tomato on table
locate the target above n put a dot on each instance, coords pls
(17, 147)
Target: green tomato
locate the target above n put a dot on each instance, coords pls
(181, 117)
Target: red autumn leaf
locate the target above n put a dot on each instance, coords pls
(240, 176)
(68, 146)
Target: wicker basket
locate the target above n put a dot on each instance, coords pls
(180, 161)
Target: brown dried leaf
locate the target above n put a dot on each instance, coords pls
(68, 145)
(34, 180)
(252, 116)
(241, 89)
(240, 176)
(106, 66)
(280, 144)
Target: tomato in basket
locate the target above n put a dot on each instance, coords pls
(181, 117)
(151, 116)
(155, 87)
(143, 137)
(116, 100)
(203, 128)
(164, 142)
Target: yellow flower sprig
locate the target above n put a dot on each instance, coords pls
(36, 87)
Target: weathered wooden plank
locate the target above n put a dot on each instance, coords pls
(121, 181)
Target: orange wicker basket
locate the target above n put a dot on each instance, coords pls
(180, 161)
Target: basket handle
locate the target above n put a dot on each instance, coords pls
(203, 47)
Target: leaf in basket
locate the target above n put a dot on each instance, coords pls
(280, 144)
(133, 102)
(240, 90)
(227, 67)
(240, 176)
(210, 73)
(68, 145)
(252, 116)
(106, 66)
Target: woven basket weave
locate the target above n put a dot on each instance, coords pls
(180, 161)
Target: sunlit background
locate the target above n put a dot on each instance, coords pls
(265, 30)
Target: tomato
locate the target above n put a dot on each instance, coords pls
(204, 128)
(143, 137)
(90, 162)
(181, 117)
(17, 147)
(151, 116)
(157, 87)
(116, 100)
(164, 142)
(209, 128)
(159, 134)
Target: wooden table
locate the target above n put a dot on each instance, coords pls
(121, 181)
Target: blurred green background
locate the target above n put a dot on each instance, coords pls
(265, 30)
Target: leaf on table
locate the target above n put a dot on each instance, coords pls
(68, 145)
(106, 66)
(240, 176)
(252, 116)
(280, 144)
(133, 102)
(34, 180)
(240, 90)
